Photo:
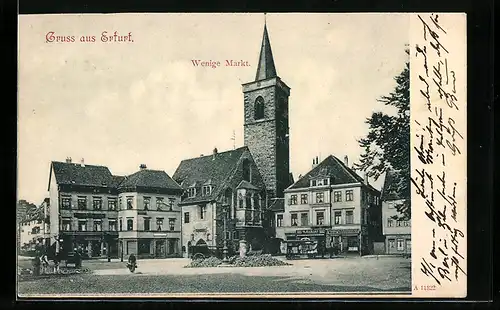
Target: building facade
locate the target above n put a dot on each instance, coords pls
(396, 229)
(34, 229)
(334, 206)
(85, 210)
(149, 215)
(223, 201)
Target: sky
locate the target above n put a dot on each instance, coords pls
(122, 104)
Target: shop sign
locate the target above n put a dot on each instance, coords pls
(89, 215)
(342, 232)
(310, 231)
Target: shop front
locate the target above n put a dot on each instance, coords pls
(308, 243)
(347, 241)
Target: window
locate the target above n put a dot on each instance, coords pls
(112, 225)
(320, 218)
(130, 224)
(82, 203)
(319, 182)
(337, 196)
(259, 108)
(97, 225)
(171, 202)
(159, 203)
(66, 224)
(338, 217)
(293, 199)
(349, 217)
(399, 223)
(203, 212)
(159, 224)
(256, 202)
(279, 220)
(97, 203)
(240, 201)
(349, 195)
(406, 223)
(144, 246)
(390, 222)
(171, 224)
(120, 202)
(191, 192)
(392, 244)
(227, 235)
(206, 190)
(304, 219)
(186, 217)
(121, 225)
(66, 203)
(320, 197)
(313, 183)
(248, 201)
(303, 199)
(295, 220)
(325, 181)
(82, 225)
(236, 235)
(130, 205)
(401, 244)
(246, 170)
(147, 203)
(111, 204)
(147, 224)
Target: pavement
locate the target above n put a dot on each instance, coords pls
(386, 272)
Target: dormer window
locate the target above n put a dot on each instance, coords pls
(207, 190)
(320, 182)
(191, 192)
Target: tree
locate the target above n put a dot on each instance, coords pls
(387, 145)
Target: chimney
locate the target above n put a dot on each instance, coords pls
(68, 160)
(82, 163)
(214, 153)
(346, 161)
(143, 167)
(315, 161)
(366, 178)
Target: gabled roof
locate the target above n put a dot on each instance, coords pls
(216, 167)
(265, 68)
(148, 178)
(277, 205)
(77, 174)
(329, 167)
(392, 189)
(247, 185)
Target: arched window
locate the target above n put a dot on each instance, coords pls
(259, 108)
(246, 170)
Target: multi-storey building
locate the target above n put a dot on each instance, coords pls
(84, 209)
(149, 215)
(333, 205)
(396, 228)
(224, 197)
(34, 228)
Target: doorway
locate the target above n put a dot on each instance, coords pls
(160, 248)
(172, 246)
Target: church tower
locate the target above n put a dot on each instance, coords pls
(266, 122)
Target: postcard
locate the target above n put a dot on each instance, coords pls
(304, 155)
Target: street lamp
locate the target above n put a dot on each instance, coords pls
(225, 249)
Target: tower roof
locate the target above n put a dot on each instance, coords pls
(265, 68)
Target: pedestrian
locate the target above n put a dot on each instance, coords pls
(36, 265)
(44, 262)
(57, 261)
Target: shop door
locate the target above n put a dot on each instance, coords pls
(172, 246)
(160, 248)
(96, 248)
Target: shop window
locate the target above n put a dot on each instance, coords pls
(295, 220)
(144, 246)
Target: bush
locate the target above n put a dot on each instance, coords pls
(207, 262)
(258, 261)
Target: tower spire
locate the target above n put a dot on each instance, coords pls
(265, 68)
